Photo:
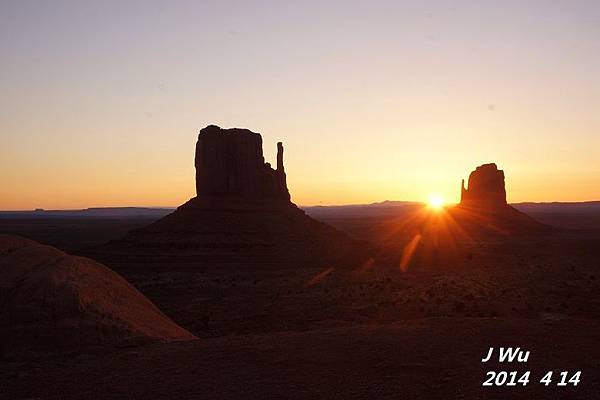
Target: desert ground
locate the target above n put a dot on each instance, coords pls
(372, 330)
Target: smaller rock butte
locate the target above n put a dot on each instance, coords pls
(483, 207)
(486, 189)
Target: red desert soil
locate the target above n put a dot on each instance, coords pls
(361, 332)
(433, 358)
(51, 300)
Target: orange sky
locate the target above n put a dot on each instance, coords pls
(101, 104)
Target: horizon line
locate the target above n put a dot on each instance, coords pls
(162, 207)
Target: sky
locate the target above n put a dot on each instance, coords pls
(101, 102)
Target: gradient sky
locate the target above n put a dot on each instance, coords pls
(102, 101)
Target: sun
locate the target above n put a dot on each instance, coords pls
(436, 202)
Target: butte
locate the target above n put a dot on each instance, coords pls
(483, 206)
(242, 214)
(439, 238)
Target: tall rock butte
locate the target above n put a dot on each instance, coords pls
(486, 189)
(242, 213)
(229, 163)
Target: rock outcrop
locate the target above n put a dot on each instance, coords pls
(50, 300)
(242, 214)
(483, 206)
(486, 189)
(230, 163)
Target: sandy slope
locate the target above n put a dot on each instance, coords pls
(51, 300)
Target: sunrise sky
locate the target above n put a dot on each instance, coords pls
(102, 101)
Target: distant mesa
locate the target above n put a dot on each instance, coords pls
(242, 212)
(50, 300)
(486, 189)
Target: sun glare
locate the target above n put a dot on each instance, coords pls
(436, 202)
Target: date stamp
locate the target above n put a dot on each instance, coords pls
(518, 378)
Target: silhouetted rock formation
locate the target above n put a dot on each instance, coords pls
(486, 189)
(50, 300)
(483, 205)
(230, 163)
(439, 239)
(242, 213)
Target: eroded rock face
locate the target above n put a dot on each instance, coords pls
(230, 163)
(242, 214)
(486, 189)
(50, 300)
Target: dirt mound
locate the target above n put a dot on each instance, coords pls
(213, 230)
(51, 300)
